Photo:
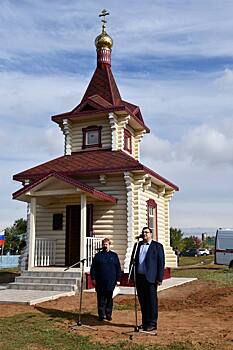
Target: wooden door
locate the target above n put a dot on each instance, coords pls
(73, 217)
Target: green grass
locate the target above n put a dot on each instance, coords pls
(211, 273)
(193, 260)
(35, 331)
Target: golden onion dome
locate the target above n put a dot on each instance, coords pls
(104, 40)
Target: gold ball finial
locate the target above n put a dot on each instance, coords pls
(103, 40)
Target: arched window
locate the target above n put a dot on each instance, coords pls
(152, 217)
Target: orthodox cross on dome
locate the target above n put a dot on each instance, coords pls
(103, 14)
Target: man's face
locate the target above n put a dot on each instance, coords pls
(106, 246)
(147, 236)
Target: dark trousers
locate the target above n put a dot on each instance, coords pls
(147, 296)
(105, 303)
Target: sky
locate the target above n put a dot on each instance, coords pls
(173, 58)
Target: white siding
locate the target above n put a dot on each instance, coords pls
(141, 196)
(44, 228)
(110, 219)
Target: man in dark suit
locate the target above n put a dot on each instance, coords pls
(105, 275)
(149, 268)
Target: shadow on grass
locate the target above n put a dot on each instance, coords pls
(86, 318)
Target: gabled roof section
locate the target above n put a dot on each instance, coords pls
(90, 162)
(82, 186)
(95, 103)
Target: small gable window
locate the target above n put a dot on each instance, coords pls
(92, 136)
(127, 141)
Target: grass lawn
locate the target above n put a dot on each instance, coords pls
(193, 260)
(205, 269)
(38, 332)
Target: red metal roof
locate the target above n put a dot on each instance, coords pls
(102, 95)
(82, 186)
(103, 84)
(89, 162)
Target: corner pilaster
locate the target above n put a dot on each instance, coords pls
(129, 183)
(138, 137)
(121, 126)
(83, 225)
(114, 128)
(32, 234)
(66, 128)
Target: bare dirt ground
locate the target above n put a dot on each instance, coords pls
(200, 313)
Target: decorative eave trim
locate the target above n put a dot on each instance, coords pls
(83, 187)
(72, 115)
(159, 177)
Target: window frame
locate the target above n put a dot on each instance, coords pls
(151, 204)
(127, 136)
(85, 132)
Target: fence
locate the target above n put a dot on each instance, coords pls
(9, 261)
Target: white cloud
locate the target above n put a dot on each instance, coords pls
(208, 144)
(156, 148)
(167, 28)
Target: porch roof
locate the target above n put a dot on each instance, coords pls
(91, 162)
(78, 184)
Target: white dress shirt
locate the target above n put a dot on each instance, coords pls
(142, 255)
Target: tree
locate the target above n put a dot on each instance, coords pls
(191, 242)
(13, 235)
(176, 238)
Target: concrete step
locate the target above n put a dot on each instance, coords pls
(46, 280)
(43, 286)
(67, 274)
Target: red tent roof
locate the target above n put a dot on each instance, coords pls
(89, 162)
(102, 95)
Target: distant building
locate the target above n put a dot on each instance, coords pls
(203, 236)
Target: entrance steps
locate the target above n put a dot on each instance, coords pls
(47, 281)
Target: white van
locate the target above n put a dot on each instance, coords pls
(224, 247)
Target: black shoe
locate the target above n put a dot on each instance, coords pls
(101, 318)
(150, 329)
(141, 326)
(109, 318)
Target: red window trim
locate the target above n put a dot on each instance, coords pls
(92, 128)
(152, 204)
(127, 135)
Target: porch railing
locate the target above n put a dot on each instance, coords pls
(45, 251)
(93, 245)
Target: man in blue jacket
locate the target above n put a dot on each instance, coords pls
(149, 268)
(105, 275)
